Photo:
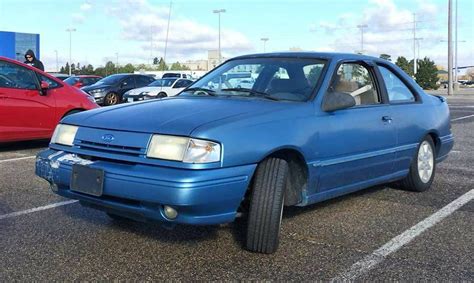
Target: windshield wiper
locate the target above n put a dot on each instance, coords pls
(252, 92)
(206, 90)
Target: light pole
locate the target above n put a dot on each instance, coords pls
(219, 12)
(116, 65)
(57, 61)
(264, 39)
(167, 33)
(361, 27)
(450, 48)
(70, 30)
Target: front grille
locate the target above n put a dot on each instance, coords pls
(116, 149)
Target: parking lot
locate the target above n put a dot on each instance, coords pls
(42, 237)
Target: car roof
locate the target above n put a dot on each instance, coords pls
(309, 54)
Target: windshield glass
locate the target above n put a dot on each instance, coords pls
(163, 82)
(71, 80)
(291, 79)
(110, 80)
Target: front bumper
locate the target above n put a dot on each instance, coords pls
(138, 97)
(201, 197)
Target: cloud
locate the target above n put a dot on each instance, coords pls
(146, 24)
(389, 29)
(85, 6)
(78, 18)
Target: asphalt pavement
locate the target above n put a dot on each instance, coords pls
(320, 242)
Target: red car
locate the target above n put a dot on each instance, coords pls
(82, 80)
(33, 102)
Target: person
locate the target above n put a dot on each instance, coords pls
(32, 61)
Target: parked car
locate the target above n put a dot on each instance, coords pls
(32, 102)
(82, 80)
(334, 124)
(109, 90)
(175, 75)
(157, 89)
(60, 76)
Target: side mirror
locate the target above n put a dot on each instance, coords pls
(44, 88)
(337, 100)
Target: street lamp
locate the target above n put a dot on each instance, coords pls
(361, 27)
(116, 65)
(219, 12)
(57, 61)
(70, 30)
(264, 39)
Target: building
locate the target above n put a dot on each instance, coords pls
(196, 65)
(14, 45)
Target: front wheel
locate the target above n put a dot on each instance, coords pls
(423, 167)
(111, 99)
(266, 206)
(161, 95)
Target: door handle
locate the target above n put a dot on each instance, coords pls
(387, 119)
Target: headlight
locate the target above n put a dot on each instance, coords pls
(99, 90)
(184, 149)
(64, 134)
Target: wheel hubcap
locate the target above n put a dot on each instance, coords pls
(112, 99)
(425, 162)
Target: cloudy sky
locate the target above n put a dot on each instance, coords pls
(136, 29)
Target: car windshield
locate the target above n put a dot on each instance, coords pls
(71, 80)
(163, 82)
(292, 79)
(110, 80)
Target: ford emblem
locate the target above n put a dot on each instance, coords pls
(108, 138)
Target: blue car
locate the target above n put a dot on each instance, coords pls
(311, 127)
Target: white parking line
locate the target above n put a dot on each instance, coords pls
(18, 158)
(36, 209)
(461, 118)
(399, 241)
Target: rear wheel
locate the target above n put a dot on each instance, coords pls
(423, 167)
(266, 206)
(161, 95)
(111, 99)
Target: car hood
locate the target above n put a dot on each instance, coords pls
(174, 116)
(95, 86)
(151, 89)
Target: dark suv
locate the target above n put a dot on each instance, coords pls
(109, 90)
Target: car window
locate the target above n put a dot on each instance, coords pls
(14, 76)
(356, 80)
(187, 83)
(180, 84)
(143, 81)
(71, 80)
(52, 84)
(396, 89)
(129, 82)
(275, 78)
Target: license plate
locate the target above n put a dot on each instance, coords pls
(130, 99)
(87, 180)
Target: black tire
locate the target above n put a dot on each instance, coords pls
(161, 95)
(413, 181)
(266, 205)
(111, 99)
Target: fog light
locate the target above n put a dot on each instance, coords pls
(170, 212)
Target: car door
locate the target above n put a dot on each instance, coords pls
(24, 112)
(356, 144)
(406, 107)
(178, 86)
(127, 84)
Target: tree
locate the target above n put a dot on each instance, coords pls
(406, 66)
(66, 68)
(178, 67)
(470, 74)
(314, 74)
(386, 57)
(155, 61)
(162, 65)
(427, 74)
(129, 68)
